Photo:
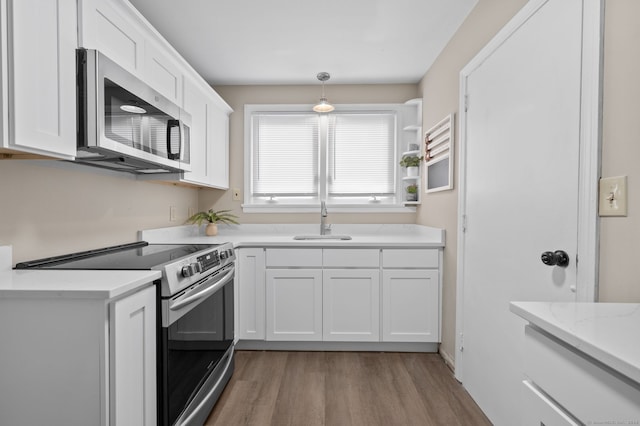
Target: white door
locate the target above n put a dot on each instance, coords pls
(522, 184)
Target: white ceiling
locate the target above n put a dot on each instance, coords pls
(290, 41)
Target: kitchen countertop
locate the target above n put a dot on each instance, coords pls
(111, 284)
(72, 284)
(608, 332)
(281, 235)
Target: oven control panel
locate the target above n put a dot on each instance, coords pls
(190, 269)
(209, 260)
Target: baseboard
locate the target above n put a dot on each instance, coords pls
(448, 360)
(262, 345)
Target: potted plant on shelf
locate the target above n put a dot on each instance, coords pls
(213, 218)
(412, 192)
(412, 163)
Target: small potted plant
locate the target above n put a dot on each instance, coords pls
(412, 192)
(412, 163)
(212, 218)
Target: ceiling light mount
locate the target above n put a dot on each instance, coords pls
(323, 105)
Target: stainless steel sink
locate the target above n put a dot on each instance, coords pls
(322, 237)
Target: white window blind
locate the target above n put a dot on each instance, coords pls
(295, 158)
(285, 154)
(361, 154)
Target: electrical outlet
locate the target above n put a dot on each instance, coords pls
(613, 196)
(236, 194)
(173, 213)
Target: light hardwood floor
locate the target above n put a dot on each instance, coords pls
(343, 388)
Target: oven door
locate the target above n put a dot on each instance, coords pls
(196, 348)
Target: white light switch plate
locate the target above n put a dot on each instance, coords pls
(613, 196)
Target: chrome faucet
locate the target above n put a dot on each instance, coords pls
(324, 228)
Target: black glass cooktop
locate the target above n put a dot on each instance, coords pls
(134, 256)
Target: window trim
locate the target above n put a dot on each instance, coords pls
(248, 206)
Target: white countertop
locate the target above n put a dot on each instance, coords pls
(607, 332)
(110, 284)
(281, 235)
(72, 284)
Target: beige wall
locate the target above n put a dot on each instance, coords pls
(440, 91)
(620, 236)
(48, 209)
(238, 96)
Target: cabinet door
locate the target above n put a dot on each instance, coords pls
(251, 293)
(209, 137)
(218, 143)
(351, 305)
(133, 359)
(294, 304)
(163, 73)
(111, 26)
(41, 76)
(196, 105)
(410, 305)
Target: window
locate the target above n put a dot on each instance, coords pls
(295, 157)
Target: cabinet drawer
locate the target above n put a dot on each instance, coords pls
(540, 410)
(589, 391)
(351, 258)
(292, 258)
(410, 258)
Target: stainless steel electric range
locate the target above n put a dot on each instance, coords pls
(195, 321)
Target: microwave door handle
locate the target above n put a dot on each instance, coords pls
(171, 124)
(204, 293)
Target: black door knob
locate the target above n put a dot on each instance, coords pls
(558, 257)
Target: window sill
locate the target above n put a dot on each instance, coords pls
(333, 208)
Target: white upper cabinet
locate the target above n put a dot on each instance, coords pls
(218, 141)
(209, 155)
(109, 26)
(163, 72)
(38, 77)
(196, 105)
(120, 32)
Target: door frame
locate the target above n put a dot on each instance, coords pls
(589, 162)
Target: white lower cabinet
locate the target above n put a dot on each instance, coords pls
(294, 304)
(250, 287)
(565, 386)
(351, 305)
(339, 295)
(132, 359)
(409, 305)
(538, 409)
(74, 361)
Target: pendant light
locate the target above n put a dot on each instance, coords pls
(324, 105)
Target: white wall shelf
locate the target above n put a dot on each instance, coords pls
(413, 136)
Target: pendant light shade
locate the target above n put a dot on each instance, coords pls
(323, 105)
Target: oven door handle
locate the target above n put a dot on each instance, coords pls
(204, 293)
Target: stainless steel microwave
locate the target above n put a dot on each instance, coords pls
(124, 124)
